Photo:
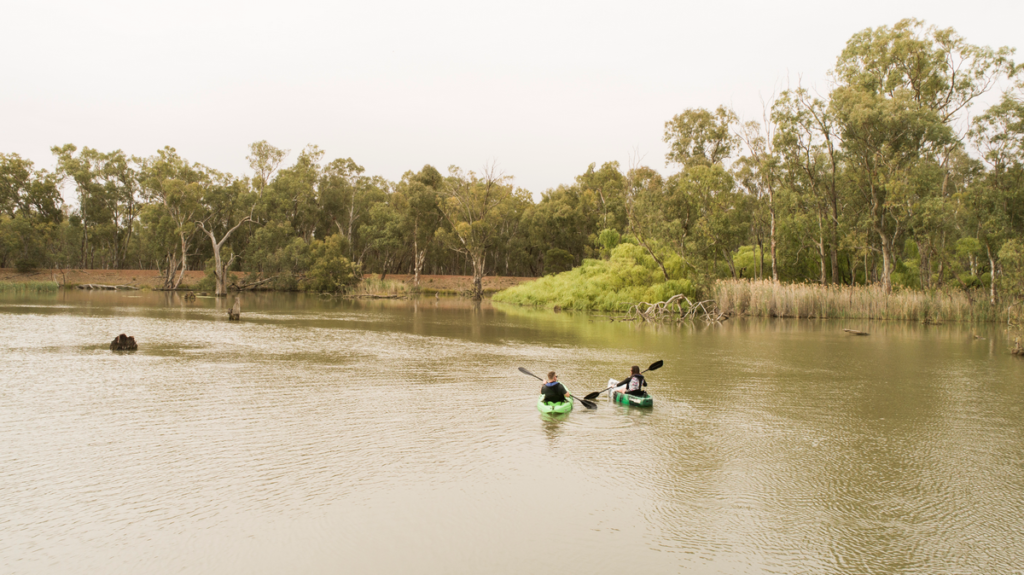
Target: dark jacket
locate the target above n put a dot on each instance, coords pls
(635, 384)
(553, 392)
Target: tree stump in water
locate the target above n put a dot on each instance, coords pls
(1017, 349)
(855, 332)
(124, 343)
(236, 310)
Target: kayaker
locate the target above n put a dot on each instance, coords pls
(552, 390)
(634, 383)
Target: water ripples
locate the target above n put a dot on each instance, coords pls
(383, 440)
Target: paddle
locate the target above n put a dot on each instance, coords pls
(594, 394)
(587, 404)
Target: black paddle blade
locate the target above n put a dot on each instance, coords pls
(523, 369)
(592, 395)
(587, 404)
(655, 365)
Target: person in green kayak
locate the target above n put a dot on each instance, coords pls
(552, 390)
(634, 384)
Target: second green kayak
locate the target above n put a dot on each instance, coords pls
(635, 400)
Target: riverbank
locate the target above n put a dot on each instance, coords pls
(152, 279)
(814, 301)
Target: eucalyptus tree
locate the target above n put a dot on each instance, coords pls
(416, 202)
(609, 185)
(562, 228)
(346, 196)
(645, 214)
(30, 213)
(899, 90)
(177, 186)
(108, 188)
(998, 197)
(383, 236)
(699, 136)
(25, 190)
(762, 167)
(294, 193)
(701, 142)
(808, 143)
(472, 207)
(226, 205)
(264, 160)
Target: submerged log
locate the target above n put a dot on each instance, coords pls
(124, 343)
(856, 332)
(107, 287)
(236, 310)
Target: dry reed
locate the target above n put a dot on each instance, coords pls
(29, 287)
(377, 287)
(771, 299)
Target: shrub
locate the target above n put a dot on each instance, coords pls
(630, 276)
(330, 270)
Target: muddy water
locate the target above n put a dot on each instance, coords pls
(326, 436)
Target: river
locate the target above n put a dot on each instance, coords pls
(336, 436)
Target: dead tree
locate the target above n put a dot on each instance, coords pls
(236, 310)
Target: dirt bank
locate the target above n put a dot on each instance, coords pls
(454, 283)
(137, 278)
(153, 279)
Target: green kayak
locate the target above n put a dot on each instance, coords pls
(563, 407)
(635, 400)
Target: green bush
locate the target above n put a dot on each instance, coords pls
(330, 270)
(630, 276)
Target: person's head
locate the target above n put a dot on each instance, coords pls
(552, 376)
(635, 370)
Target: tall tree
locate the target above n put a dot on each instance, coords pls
(178, 186)
(227, 205)
(899, 89)
(471, 205)
(998, 199)
(416, 201)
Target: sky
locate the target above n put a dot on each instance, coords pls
(541, 89)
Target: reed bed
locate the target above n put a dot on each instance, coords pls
(29, 287)
(771, 299)
(377, 287)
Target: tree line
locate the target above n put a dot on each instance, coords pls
(886, 178)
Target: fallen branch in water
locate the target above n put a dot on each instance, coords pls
(250, 285)
(673, 308)
(856, 332)
(106, 287)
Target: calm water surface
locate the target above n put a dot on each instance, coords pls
(326, 436)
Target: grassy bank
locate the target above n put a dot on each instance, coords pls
(768, 299)
(29, 287)
(628, 277)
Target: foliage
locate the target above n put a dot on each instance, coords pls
(630, 276)
(330, 271)
(894, 177)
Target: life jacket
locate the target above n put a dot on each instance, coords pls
(635, 383)
(554, 392)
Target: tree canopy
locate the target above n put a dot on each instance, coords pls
(894, 176)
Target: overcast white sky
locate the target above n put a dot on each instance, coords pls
(543, 88)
